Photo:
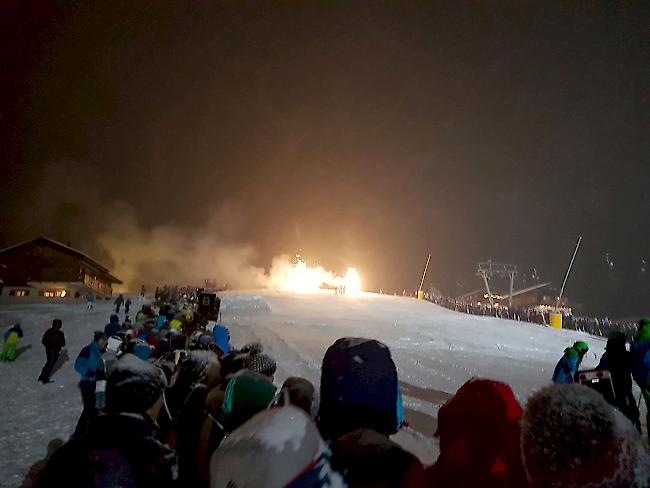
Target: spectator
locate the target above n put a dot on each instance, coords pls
(367, 458)
(90, 367)
(277, 448)
(120, 448)
(640, 350)
(127, 306)
(261, 363)
(54, 341)
(618, 361)
(479, 438)
(570, 436)
(90, 300)
(118, 303)
(10, 349)
(247, 393)
(569, 363)
(359, 389)
(113, 326)
(300, 393)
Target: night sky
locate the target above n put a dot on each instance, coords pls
(363, 133)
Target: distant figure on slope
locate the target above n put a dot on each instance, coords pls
(640, 350)
(118, 303)
(90, 300)
(143, 290)
(11, 338)
(53, 340)
(90, 366)
(127, 306)
(568, 365)
(618, 361)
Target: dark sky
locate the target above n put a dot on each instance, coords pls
(365, 133)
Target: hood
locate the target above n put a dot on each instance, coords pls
(276, 448)
(571, 436)
(222, 338)
(115, 319)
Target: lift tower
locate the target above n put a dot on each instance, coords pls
(489, 269)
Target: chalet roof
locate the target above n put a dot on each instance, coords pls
(67, 249)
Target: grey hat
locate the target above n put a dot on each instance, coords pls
(133, 385)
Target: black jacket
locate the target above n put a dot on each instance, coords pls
(118, 450)
(53, 339)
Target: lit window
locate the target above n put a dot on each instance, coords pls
(19, 293)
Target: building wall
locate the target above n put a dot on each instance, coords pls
(38, 262)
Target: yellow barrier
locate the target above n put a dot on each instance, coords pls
(556, 320)
(420, 295)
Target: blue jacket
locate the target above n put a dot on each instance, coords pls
(160, 321)
(89, 362)
(641, 362)
(567, 366)
(222, 338)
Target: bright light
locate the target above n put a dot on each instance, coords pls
(352, 282)
(63, 294)
(297, 277)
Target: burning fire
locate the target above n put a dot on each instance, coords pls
(297, 277)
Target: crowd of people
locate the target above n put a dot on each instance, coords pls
(536, 315)
(169, 401)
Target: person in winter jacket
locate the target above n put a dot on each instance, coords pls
(90, 366)
(118, 303)
(90, 300)
(571, 436)
(300, 393)
(640, 350)
(359, 389)
(10, 348)
(479, 434)
(368, 458)
(54, 341)
(221, 336)
(127, 306)
(569, 363)
(121, 447)
(618, 361)
(247, 393)
(277, 448)
(113, 326)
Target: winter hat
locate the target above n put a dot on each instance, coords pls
(300, 393)
(276, 448)
(99, 335)
(581, 346)
(57, 324)
(139, 348)
(246, 394)
(571, 436)
(133, 385)
(261, 363)
(359, 389)
(114, 319)
(252, 348)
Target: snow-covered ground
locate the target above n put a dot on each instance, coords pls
(435, 350)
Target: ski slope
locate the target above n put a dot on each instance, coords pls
(436, 351)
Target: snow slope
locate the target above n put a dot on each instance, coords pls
(435, 350)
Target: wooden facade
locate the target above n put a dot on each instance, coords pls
(47, 268)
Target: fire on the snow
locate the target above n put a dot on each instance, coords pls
(297, 277)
